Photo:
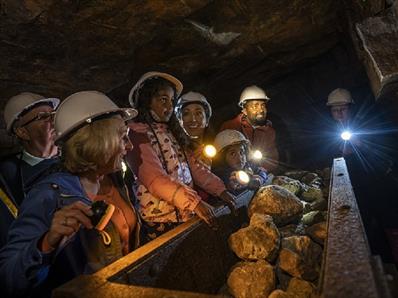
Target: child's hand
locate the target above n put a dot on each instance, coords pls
(234, 183)
(255, 182)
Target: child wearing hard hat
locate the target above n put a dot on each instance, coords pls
(166, 172)
(232, 162)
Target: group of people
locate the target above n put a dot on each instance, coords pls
(94, 181)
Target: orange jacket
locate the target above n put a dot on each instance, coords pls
(261, 138)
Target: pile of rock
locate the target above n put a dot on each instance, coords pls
(281, 248)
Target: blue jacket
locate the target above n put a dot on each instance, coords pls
(24, 269)
(17, 175)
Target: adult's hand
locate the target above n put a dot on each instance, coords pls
(67, 221)
(206, 213)
(229, 199)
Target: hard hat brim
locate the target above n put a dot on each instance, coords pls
(51, 100)
(126, 113)
(242, 103)
(176, 82)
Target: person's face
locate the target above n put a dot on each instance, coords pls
(340, 113)
(162, 104)
(37, 126)
(194, 119)
(235, 156)
(255, 111)
(124, 145)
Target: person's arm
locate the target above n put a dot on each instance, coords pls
(145, 163)
(208, 181)
(33, 239)
(22, 264)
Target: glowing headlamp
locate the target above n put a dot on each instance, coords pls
(257, 155)
(209, 151)
(242, 177)
(346, 135)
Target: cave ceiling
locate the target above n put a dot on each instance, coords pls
(58, 47)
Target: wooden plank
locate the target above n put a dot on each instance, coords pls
(170, 265)
(347, 268)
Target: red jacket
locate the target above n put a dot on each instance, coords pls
(261, 138)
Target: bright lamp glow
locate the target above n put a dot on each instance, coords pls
(346, 135)
(242, 177)
(210, 151)
(257, 154)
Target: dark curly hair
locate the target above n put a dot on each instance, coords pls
(150, 88)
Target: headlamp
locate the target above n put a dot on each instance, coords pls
(257, 155)
(209, 151)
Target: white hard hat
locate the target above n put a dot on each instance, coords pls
(83, 107)
(22, 102)
(134, 92)
(252, 93)
(193, 97)
(228, 137)
(338, 97)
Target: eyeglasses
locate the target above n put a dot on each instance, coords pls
(46, 116)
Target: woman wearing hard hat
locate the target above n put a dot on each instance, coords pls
(194, 113)
(166, 174)
(59, 233)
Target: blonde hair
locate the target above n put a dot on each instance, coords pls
(91, 147)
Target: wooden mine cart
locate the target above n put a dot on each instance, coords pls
(193, 261)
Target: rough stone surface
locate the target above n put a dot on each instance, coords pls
(318, 205)
(311, 193)
(283, 278)
(300, 257)
(298, 175)
(96, 44)
(251, 279)
(260, 240)
(290, 184)
(280, 294)
(281, 204)
(313, 217)
(318, 232)
(309, 178)
(292, 230)
(299, 288)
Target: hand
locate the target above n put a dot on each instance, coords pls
(67, 221)
(229, 199)
(234, 183)
(206, 213)
(255, 182)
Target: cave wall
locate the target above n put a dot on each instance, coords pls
(297, 50)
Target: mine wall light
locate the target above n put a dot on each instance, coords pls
(257, 155)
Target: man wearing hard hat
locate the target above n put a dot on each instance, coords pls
(253, 123)
(339, 101)
(368, 162)
(29, 117)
